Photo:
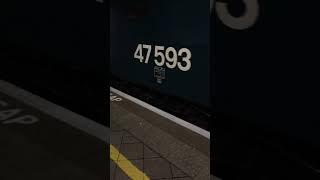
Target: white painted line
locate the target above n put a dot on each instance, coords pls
(79, 122)
(171, 117)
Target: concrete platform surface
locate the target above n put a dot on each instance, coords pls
(36, 144)
(159, 147)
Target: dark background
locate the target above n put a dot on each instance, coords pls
(58, 50)
(266, 94)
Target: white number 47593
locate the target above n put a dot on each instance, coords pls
(168, 56)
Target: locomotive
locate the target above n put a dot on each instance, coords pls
(159, 52)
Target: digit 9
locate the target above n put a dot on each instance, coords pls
(172, 60)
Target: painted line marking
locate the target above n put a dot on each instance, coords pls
(75, 120)
(162, 113)
(131, 170)
(114, 97)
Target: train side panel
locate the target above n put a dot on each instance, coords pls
(176, 32)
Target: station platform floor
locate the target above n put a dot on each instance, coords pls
(151, 144)
(41, 140)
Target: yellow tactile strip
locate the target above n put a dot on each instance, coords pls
(127, 167)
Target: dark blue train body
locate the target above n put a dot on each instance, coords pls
(174, 26)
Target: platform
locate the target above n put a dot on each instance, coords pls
(158, 145)
(41, 140)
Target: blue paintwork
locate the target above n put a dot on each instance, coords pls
(179, 24)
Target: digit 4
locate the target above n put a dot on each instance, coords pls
(138, 53)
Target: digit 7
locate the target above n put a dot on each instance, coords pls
(148, 53)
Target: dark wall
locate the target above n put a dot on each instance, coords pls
(72, 32)
(59, 50)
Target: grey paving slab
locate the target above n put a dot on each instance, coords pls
(191, 160)
(184, 178)
(176, 172)
(120, 175)
(132, 151)
(129, 140)
(164, 143)
(116, 137)
(203, 175)
(157, 168)
(115, 127)
(127, 134)
(148, 153)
